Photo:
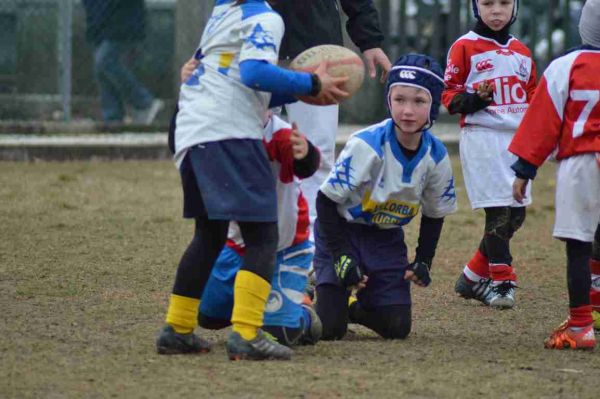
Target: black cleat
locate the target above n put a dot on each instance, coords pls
(262, 347)
(170, 342)
(314, 333)
(480, 290)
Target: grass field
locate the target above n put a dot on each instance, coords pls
(88, 253)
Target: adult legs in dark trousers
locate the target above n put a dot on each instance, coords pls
(119, 86)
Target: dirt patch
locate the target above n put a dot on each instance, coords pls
(88, 253)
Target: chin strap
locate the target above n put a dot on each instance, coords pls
(426, 126)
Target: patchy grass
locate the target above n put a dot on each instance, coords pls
(88, 253)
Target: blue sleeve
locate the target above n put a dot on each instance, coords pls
(524, 169)
(260, 75)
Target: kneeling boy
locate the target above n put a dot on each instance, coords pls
(382, 177)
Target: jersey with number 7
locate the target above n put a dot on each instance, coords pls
(565, 110)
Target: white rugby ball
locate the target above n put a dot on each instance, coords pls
(340, 62)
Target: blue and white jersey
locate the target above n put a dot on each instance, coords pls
(213, 103)
(374, 183)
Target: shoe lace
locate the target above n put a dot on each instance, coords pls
(504, 287)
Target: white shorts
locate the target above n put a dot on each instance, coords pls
(319, 124)
(577, 197)
(486, 168)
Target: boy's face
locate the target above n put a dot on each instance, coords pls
(495, 13)
(409, 107)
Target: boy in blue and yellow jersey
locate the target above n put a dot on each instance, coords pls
(384, 175)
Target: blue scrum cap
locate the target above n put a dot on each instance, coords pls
(421, 71)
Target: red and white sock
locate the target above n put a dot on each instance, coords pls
(595, 291)
(581, 316)
(477, 268)
(500, 272)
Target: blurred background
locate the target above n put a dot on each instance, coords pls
(47, 57)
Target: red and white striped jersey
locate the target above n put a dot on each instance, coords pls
(474, 59)
(564, 112)
(292, 208)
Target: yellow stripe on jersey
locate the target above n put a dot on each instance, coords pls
(389, 212)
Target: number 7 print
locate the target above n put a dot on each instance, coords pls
(591, 98)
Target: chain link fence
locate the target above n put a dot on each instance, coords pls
(47, 69)
(547, 27)
(47, 62)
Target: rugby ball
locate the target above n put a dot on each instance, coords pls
(340, 62)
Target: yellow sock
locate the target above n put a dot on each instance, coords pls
(250, 293)
(183, 313)
(351, 300)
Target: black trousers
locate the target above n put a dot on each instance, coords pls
(391, 321)
(194, 268)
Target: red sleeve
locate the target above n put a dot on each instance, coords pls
(457, 71)
(280, 150)
(532, 83)
(539, 131)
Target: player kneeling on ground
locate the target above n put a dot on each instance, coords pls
(382, 177)
(565, 114)
(289, 316)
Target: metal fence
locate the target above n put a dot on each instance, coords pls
(47, 63)
(547, 27)
(47, 69)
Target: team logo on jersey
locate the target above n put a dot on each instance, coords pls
(342, 174)
(484, 65)
(262, 39)
(451, 69)
(508, 90)
(388, 212)
(596, 284)
(449, 193)
(274, 302)
(523, 71)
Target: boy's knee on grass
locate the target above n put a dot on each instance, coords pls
(398, 328)
(333, 331)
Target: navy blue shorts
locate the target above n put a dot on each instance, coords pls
(382, 256)
(229, 180)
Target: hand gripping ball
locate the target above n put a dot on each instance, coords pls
(340, 62)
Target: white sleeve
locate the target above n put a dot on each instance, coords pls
(261, 36)
(439, 196)
(356, 165)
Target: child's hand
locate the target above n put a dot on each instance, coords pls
(188, 68)
(331, 88)
(362, 283)
(418, 273)
(299, 143)
(485, 90)
(349, 273)
(519, 189)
